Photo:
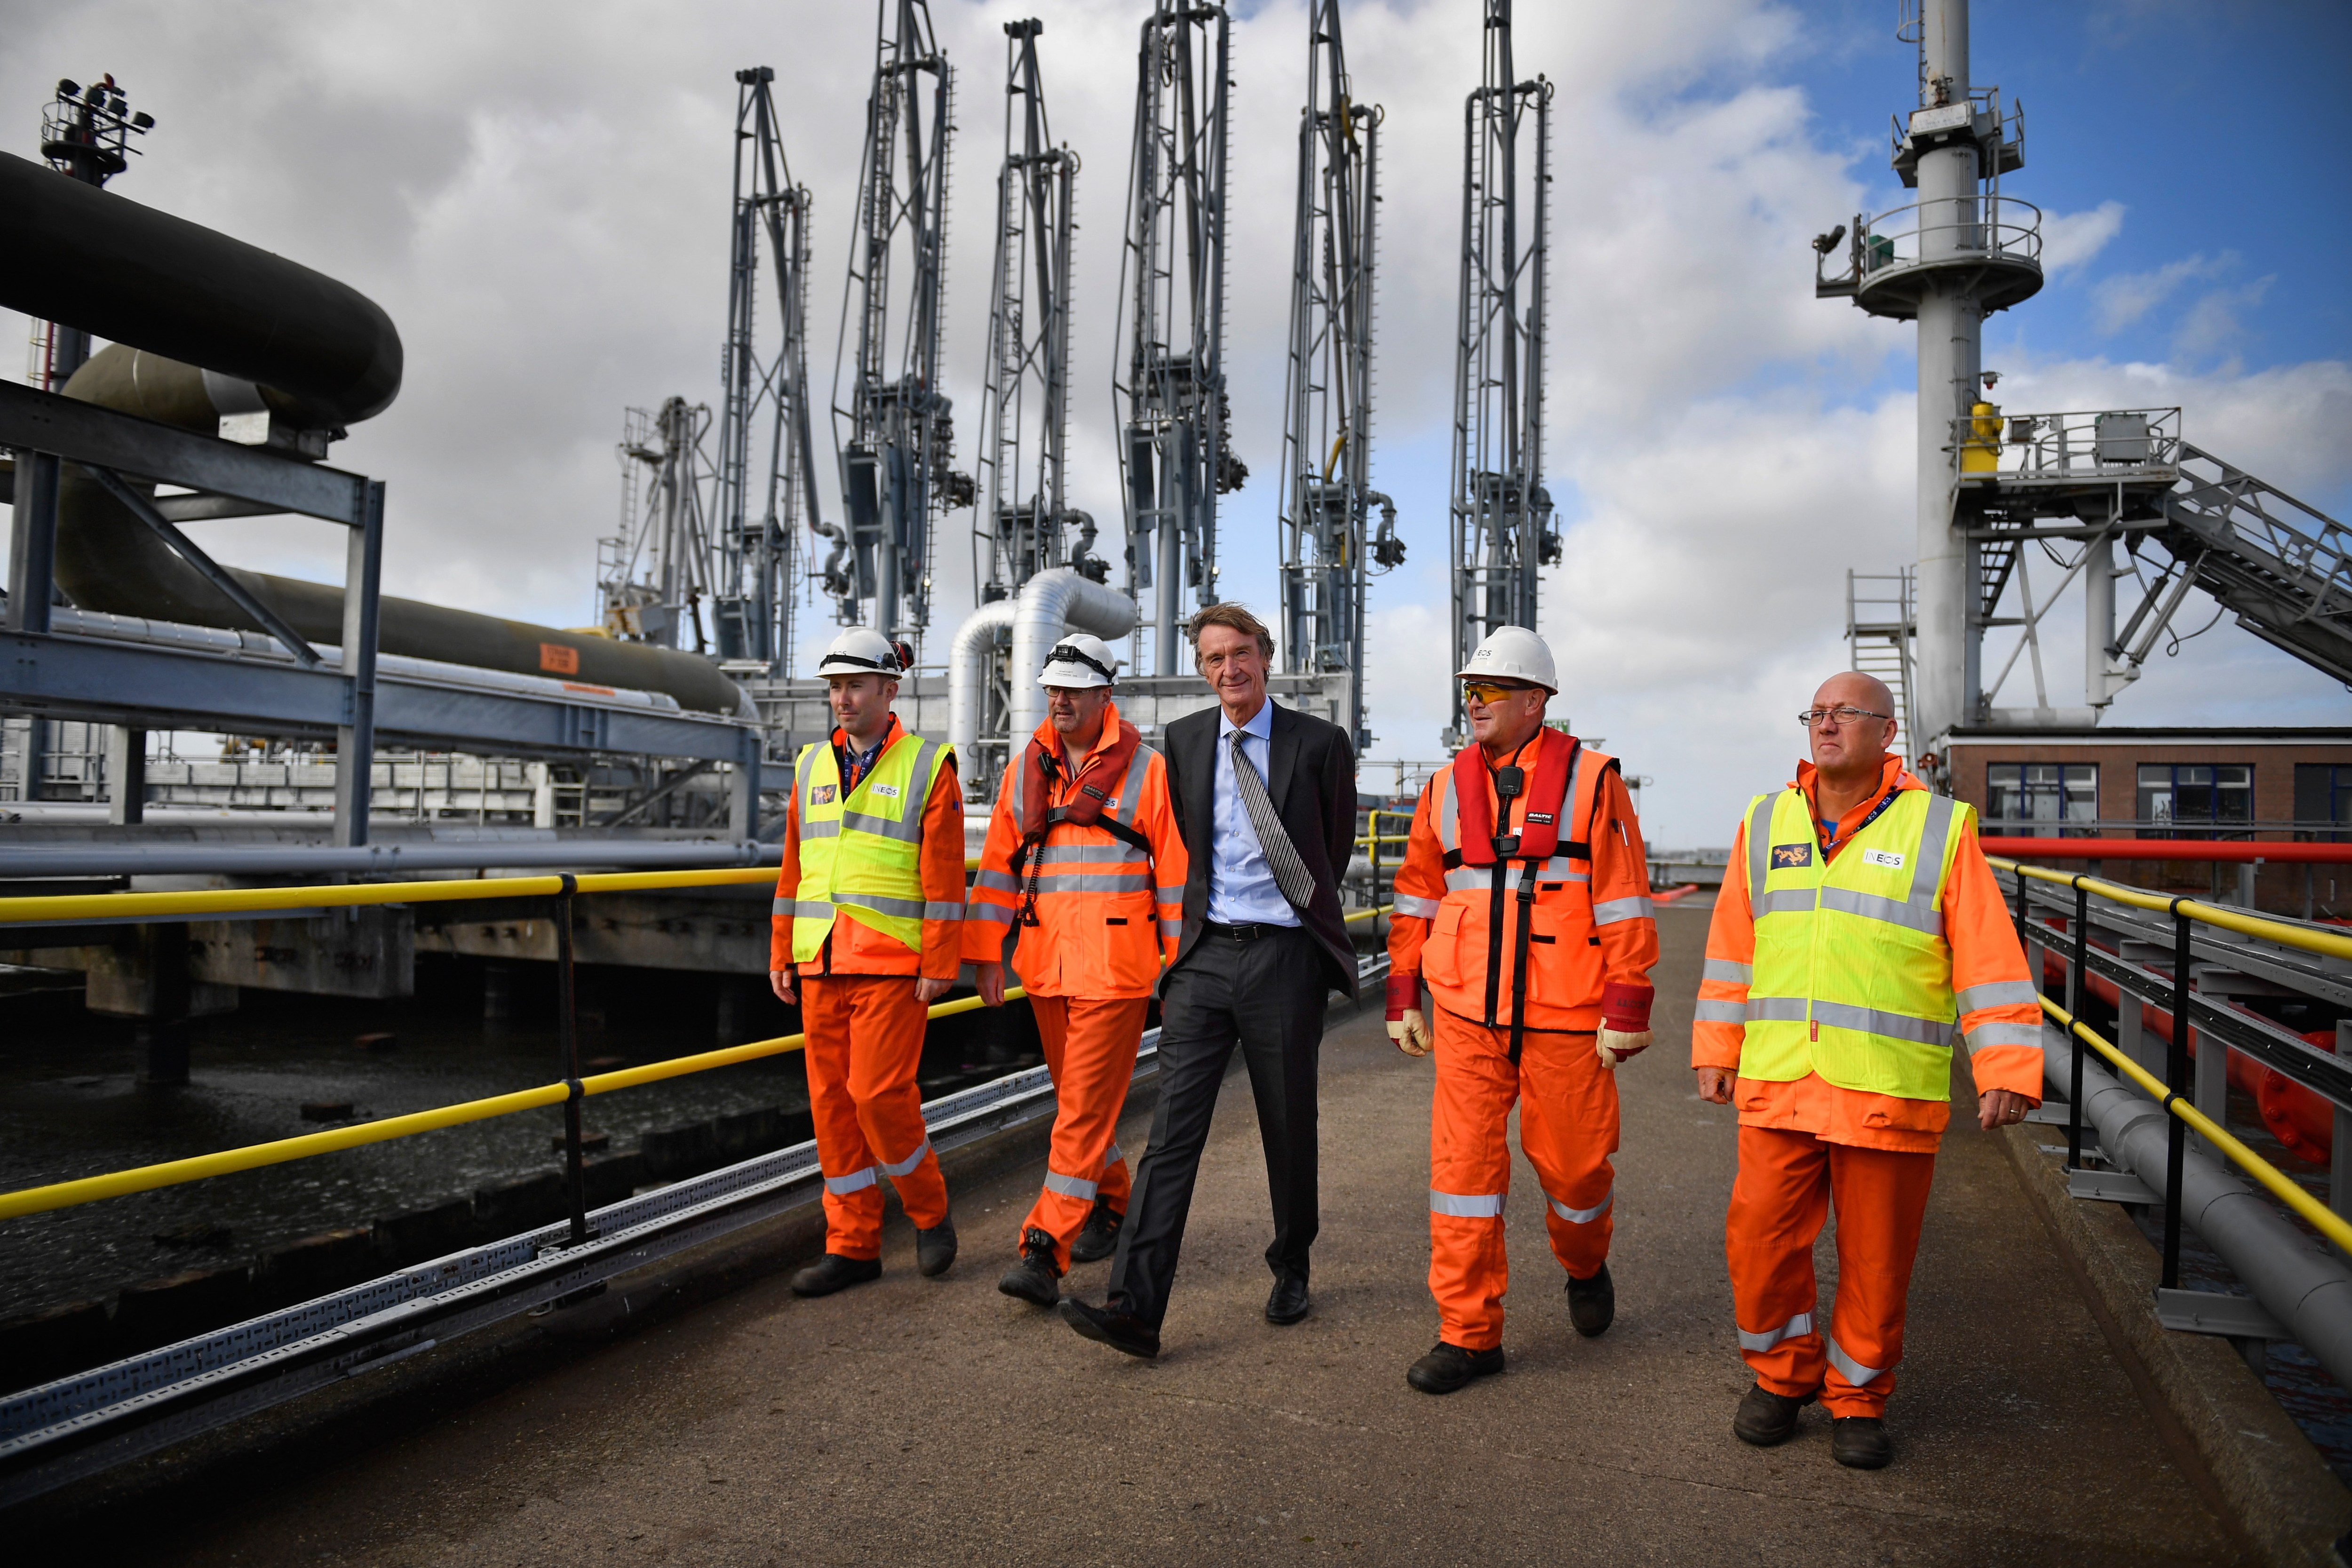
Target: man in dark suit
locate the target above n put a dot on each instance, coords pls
(1265, 799)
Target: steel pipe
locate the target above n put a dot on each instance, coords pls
(967, 687)
(1052, 605)
(2297, 1280)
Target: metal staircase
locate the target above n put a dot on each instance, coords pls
(1880, 621)
(2282, 567)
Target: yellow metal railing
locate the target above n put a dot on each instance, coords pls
(2324, 943)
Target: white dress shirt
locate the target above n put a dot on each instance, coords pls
(1242, 888)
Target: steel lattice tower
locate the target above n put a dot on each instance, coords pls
(894, 432)
(1328, 396)
(757, 534)
(1024, 415)
(1501, 524)
(1175, 455)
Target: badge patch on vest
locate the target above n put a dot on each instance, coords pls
(821, 794)
(889, 790)
(1539, 816)
(1889, 858)
(1786, 857)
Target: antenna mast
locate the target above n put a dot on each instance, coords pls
(1501, 527)
(1025, 416)
(757, 534)
(1175, 454)
(1327, 409)
(895, 433)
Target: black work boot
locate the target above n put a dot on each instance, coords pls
(1033, 1279)
(935, 1249)
(1859, 1442)
(1099, 1239)
(1447, 1367)
(833, 1272)
(1765, 1418)
(1592, 1303)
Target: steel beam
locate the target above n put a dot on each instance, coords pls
(355, 736)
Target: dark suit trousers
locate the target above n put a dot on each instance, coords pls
(1267, 996)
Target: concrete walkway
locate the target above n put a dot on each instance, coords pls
(922, 1422)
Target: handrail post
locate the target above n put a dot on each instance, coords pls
(567, 1037)
(2074, 989)
(2176, 1079)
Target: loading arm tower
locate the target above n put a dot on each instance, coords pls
(1328, 547)
(1175, 454)
(892, 422)
(1501, 531)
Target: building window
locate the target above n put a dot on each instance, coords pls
(2322, 794)
(2018, 795)
(2194, 795)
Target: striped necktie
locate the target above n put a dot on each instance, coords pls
(1290, 872)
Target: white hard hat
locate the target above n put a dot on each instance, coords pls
(862, 650)
(1513, 653)
(1079, 661)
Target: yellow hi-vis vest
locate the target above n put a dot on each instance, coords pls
(863, 854)
(1853, 977)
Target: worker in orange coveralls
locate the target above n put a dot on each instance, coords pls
(1859, 933)
(1084, 868)
(1524, 903)
(868, 907)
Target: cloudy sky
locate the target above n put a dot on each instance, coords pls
(538, 193)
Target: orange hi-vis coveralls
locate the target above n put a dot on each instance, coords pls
(1590, 941)
(1095, 910)
(1807, 1142)
(864, 1022)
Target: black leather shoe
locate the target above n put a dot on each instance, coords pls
(1287, 1302)
(1592, 1303)
(1119, 1330)
(1447, 1367)
(935, 1249)
(1035, 1277)
(1765, 1418)
(1099, 1239)
(833, 1272)
(1859, 1443)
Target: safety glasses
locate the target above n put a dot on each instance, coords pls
(1488, 692)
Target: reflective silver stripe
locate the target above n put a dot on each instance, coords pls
(1011, 802)
(996, 881)
(1985, 1035)
(1776, 1009)
(1996, 994)
(1478, 1205)
(1730, 970)
(1098, 882)
(1130, 790)
(1112, 1157)
(1784, 901)
(1893, 1026)
(1929, 872)
(1469, 879)
(1556, 869)
(1582, 1216)
(1854, 1372)
(942, 911)
(1448, 828)
(1419, 908)
(1759, 852)
(907, 830)
(783, 907)
(1166, 895)
(1710, 1011)
(1910, 914)
(829, 829)
(997, 913)
(1609, 912)
(1170, 930)
(1091, 855)
(856, 1182)
(810, 909)
(1069, 1186)
(903, 908)
(1795, 1327)
(900, 1167)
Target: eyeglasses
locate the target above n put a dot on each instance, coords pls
(1488, 692)
(1811, 718)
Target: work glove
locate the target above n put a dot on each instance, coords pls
(1410, 1030)
(1616, 1046)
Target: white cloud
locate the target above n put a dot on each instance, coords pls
(2125, 298)
(2071, 239)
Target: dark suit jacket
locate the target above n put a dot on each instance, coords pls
(1312, 783)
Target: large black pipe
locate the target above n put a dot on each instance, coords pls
(78, 255)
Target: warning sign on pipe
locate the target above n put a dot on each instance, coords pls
(557, 660)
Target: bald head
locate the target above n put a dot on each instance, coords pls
(1853, 750)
